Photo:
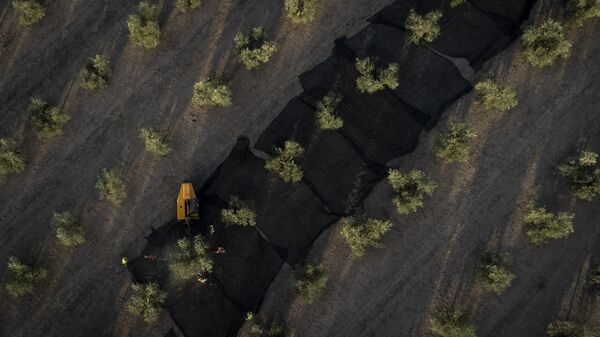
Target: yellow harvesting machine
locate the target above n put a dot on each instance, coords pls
(187, 203)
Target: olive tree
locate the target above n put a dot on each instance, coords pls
(300, 11)
(11, 161)
(453, 144)
(144, 30)
(284, 162)
(594, 277)
(567, 328)
(543, 225)
(211, 92)
(96, 73)
(47, 120)
(452, 323)
(456, 3)
(493, 275)
(186, 5)
(23, 277)
(326, 107)
(276, 329)
(156, 142)
(192, 256)
(253, 48)
(111, 186)
(68, 229)
(583, 173)
(410, 189)
(545, 43)
(495, 96)
(423, 27)
(371, 80)
(146, 300)
(579, 11)
(30, 11)
(362, 232)
(310, 280)
(238, 213)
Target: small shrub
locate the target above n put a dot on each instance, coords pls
(96, 73)
(326, 108)
(68, 229)
(253, 48)
(30, 11)
(492, 274)
(210, 92)
(146, 300)
(362, 232)
(452, 323)
(543, 225)
(423, 28)
(276, 330)
(370, 81)
(47, 120)
(545, 43)
(583, 174)
(11, 161)
(238, 213)
(23, 277)
(452, 145)
(310, 281)
(456, 3)
(579, 11)
(111, 186)
(410, 190)
(564, 328)
(156, 142)
(192, 257)
(186, 5)
(284, 162)
(144, 30)
(494, 96)
(300, 11)
(594, 277)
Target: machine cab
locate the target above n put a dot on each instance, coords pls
(187, 203)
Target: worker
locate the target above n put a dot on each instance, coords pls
(124, 262)
(220, 250)
(200, 278)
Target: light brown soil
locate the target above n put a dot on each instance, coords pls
(429, 258)
(86, 289)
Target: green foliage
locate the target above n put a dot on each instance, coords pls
(423, 28)
(452, 323)
(452, 145)
(494, 96)
(276, 330)
(456, 3)
(238, 213)
(144, 30)
(111, 186)
(284, 162)
(310, 281)
(410, 189)
(186, 5)
(594, 277)
(564, 328)
(543, 225)
(326, 107)
(96, 73)
(11, 161)
(192, 257)
(30, 11)
(362, 232)
(300, 11)
(545, 43)
(48, 121)
(253, 48)
(583, 174)
(156, 142)
(68, 229)
(23, 277)
(581, 10)
(146, 300)
(211, 92)
(370, 81)
(494, 277)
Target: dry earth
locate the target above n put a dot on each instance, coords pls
(86, 289)
(429, 258)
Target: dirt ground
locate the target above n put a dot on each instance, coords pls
(85, 291)
(429, 258)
